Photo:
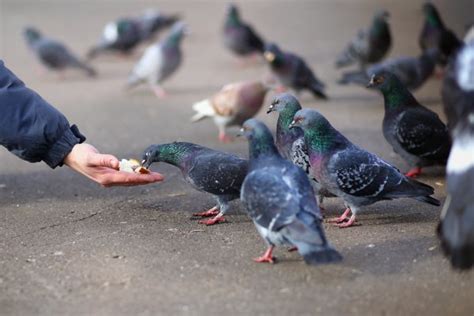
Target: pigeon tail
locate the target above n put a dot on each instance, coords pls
(89, 70)
(322, 256)
(316, 89)
(204, 109)
(428, 199)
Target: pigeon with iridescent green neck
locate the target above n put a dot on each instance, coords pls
(159, 61)
(369, 45)
(207, 170)
(358, 177)
(415, 132)
(280, 201)
(290, 141)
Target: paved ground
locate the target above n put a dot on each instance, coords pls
(68, 246)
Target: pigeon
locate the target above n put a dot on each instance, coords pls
(456, 90)
(415, 132)
(120, 36)
(207, 170)
(413, 72)
(232, 105)
(435, 34)
(152, 22)
(456, 228)
(53, 54)
(280, 201)
(357, 176)
(369, 45)
(292, 71)
(159, 61)
(239, 37)
(290, 142)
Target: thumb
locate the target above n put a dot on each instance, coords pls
(103, 160)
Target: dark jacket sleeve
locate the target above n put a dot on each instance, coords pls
(30, 127)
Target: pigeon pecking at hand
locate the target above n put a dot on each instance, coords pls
(413, 72)
(207, 170)
(52, 54)
(292, 71)
(159, 61)
(415, 132)
(358, 177)
(290, 141)
(232, 105)
(456, 228)
(369, 45)
(280, 201)
(239, 37)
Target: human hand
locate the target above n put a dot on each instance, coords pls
(104, 169)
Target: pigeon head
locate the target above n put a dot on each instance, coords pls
(465, 68)
(31, 34)
(431, 14)
(272, 54)
(381, 15)
(310, 119)
(395, 93)
(178, 30)
(283, 103)
(232, 13)
(260, 138)
(172, 153)
(384, 81)
(380, 22)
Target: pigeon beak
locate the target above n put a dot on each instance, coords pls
(270, 109)
(145, 163)
(292, 124)
(371, 83)
(240, 133)
(269, 56)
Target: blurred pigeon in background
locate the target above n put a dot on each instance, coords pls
(53, 54)
(292, 71)
(159, 61)
(153, 21)
(369, 45)
(232, 105)
(207, 170)
(456, 228)
(469, 36)
(290, 141)
(413, 72)
(435, 34)
(415, 132)
(239, 37)
(358, 177)
(280, 201)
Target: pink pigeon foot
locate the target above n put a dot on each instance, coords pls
(223, 137)
(281, 89)
(349, 223)
(342, 218)
(212, 212)
(219, 218)
(267, 256)
(413, 173)
(159, 92)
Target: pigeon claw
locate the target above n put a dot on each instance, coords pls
(341, 218)
(212, 212)
(215, 220)
(267, 256)
(413, 173)
(349, 223)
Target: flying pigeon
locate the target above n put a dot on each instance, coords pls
(456, 228)
(159, 61)
(413, 72)
(358, 177)
(207, 170)
(292, 71)
(369, 45)
(239, 37)
(232, 105)
(153, 21)
(435, 34)
(415, 132)
(53, 54)
(290, 142)
(280, 201)
(120, 36)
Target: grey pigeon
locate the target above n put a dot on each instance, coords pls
(152, 22)
(53, 54)
(280, 201)
(290, 141)
(358, 177)
(413, 72)
(369, 45)
(232, 105)
(435, 34)
(120, 36)
(456, 229)
(239, 37)
(207, 170)
(292, 71)
(415, 132)
(159, 61)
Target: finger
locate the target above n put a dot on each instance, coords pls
(103, 160)
(129, 179)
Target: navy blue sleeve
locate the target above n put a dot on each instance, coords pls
(30, 127)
